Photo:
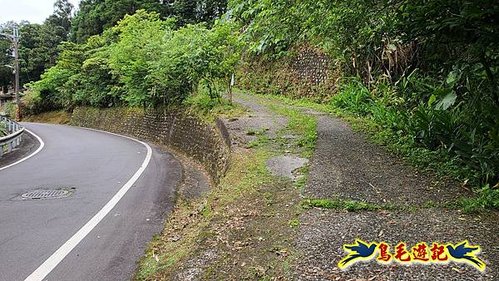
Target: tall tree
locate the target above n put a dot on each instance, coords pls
(34, 53)
(5, 72)
(94, 16)
(196, 11)
(61, 18)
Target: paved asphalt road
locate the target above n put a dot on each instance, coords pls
(97, 165)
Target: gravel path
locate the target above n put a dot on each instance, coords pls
(324, 231)
(346, 166)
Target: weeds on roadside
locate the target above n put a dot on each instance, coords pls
(339, 204)
(487, 198)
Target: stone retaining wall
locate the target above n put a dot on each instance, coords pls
(307, 72)
(174, 128)
(311, 65)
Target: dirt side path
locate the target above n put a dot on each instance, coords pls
(345, 166)
(241, 230)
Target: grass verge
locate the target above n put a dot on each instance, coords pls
(206, 108)
(232, 230)
(245, 227)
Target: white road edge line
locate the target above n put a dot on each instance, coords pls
(43, 270)
(42, 144)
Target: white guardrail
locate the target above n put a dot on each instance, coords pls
(13, 139)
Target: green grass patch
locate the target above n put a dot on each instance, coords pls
(294, 102)
(301, 182)
(479, 204)
(347, 205)
(302, 179)
(254, 132)
(152, 263)
(260, 141)
(300, 124)
(246, 174)
(294, 223)
(207, 108)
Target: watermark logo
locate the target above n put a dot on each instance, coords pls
(421, 253)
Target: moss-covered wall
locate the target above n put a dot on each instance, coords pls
(306, 72)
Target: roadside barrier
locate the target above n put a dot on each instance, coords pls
(13, 138)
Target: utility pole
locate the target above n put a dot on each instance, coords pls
(14, 38)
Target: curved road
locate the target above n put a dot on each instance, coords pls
(98, 166)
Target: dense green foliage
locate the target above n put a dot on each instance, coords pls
(95, 16)
(141, 61)
(435, 125)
